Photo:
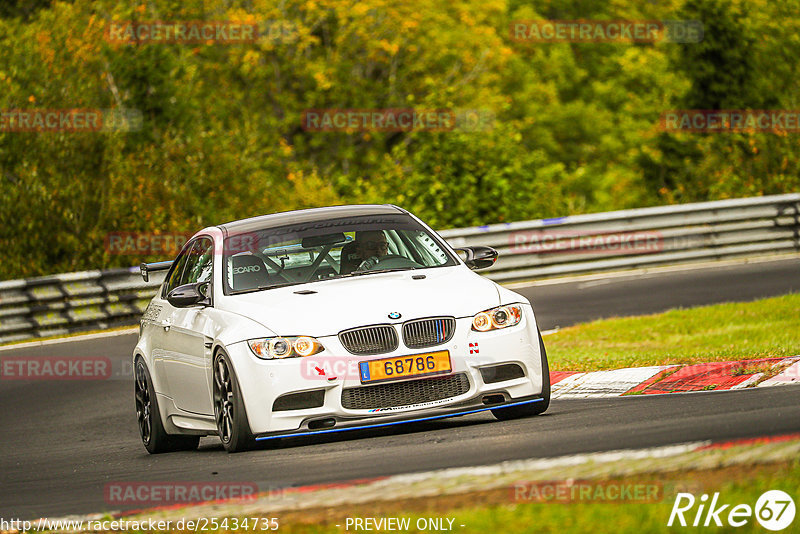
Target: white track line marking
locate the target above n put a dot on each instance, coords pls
(790, 375)
(547, 463)
(604, 383)
(752, 380)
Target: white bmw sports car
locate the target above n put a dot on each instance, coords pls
(323, 320)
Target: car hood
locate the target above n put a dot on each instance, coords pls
(340, 304)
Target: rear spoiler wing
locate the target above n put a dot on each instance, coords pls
(146, 268)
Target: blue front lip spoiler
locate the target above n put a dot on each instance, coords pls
(392, 423)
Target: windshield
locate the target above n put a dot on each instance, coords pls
(333, 248)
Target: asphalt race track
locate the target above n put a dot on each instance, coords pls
(63, 441)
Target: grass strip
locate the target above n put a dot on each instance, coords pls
(764, 328)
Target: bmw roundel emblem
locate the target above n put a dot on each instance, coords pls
(394, 315)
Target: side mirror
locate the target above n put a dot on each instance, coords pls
(478, 257)
(189, 295)
(146, 268)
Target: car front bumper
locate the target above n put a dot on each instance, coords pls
(264, 381)
(400, 418)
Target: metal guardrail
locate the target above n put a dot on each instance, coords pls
(73, 302)
(638, 238)
(629, 239)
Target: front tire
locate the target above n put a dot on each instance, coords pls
(229, 411)
(151, 429)
(536, 408)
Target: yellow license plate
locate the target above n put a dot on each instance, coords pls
(431, 363)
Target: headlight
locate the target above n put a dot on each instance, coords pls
(305, 346)
(500, 317)
(285, 347)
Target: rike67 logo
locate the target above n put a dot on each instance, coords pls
(774, 510)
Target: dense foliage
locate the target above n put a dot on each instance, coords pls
(575, 125)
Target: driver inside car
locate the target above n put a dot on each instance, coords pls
(367, 248)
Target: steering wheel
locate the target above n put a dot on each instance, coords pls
(367, 264)
(389, 261)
